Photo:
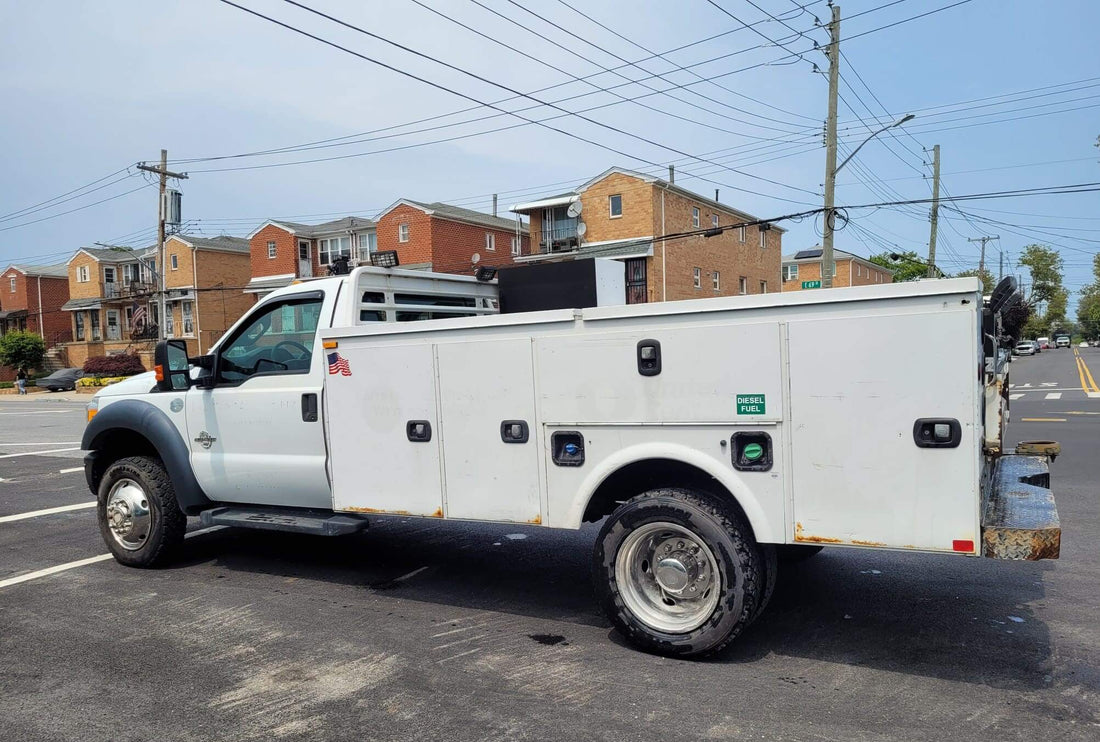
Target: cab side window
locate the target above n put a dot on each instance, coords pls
(278, 340)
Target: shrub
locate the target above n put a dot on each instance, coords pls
(22, 350)
(125, 364)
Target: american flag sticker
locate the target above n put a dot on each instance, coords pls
(337, 364)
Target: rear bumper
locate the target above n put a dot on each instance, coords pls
(1019, 515)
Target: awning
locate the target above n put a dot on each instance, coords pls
(563, 200)
(13, 314)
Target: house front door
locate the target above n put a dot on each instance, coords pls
(305, 260)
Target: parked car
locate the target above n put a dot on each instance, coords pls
(1025, 348)
(63, 380)
(1044, 343)
(1062, 341)
(1083, 344)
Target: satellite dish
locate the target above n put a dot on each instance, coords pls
(581, 229)
(475, 258)
(574, 210)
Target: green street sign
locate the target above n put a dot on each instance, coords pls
(750, 404)
(811, 284)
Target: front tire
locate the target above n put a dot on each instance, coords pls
(678, 573)
(139, 517)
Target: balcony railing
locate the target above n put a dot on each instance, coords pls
(110, 290)
(560, 239)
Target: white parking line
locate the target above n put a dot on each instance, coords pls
(38, 412)
(82, 562)
(44, 443)
(70, 471)
(47, 511)
(1016, 396)
(1053, 395)
(38, 453)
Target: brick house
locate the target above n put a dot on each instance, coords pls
(106, 286)
(850, 270)
(281, 251)
(621, 214)
(449, 239)
(203, 281)
(31, 297)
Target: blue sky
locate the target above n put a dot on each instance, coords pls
(93, 87)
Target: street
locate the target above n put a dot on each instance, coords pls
(427, 630)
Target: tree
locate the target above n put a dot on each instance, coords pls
(1045, 265)
(907, 266)
(988, 284)
(22, 350)
(1088, 308)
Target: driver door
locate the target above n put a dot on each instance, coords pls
(251, 437)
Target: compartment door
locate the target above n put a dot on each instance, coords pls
(858, 385)
(375, 467)
(482, 385)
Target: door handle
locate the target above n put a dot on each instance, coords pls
(309, 408)
(514, 431)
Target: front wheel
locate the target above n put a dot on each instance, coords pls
(138, 514)
(678, 573)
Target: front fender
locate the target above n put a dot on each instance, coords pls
(765, 530)
(149, 422)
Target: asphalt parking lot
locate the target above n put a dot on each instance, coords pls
(422, 630)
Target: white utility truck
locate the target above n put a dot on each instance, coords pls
(707, 435)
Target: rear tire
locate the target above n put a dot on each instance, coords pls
(139, 517)
(678, 573)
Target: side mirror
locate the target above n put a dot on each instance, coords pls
(170, 365)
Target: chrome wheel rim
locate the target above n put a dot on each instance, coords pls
(667, 577)
(128, 517)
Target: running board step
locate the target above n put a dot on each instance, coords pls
(1019, 516)
(316, 522)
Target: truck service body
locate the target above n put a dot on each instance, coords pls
(714, 433)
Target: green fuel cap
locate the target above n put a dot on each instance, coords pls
(753, 451)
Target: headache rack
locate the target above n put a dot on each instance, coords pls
(396, 295)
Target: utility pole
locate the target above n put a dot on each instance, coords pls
(935, 211)
(162, 209)
(981, 260)
(833, 52)
(1000, 265)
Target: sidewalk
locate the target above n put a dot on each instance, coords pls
(45, 396)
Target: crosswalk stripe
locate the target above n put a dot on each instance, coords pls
(1016, 396)
(1053, 395)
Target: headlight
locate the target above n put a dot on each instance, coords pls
(92, 408)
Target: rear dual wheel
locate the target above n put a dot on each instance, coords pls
(678, 573)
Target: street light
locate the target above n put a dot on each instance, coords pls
(830, 188)
(907, 117)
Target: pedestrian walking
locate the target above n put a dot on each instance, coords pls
(21, 381)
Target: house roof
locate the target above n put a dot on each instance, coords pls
(458, 214)
(336, 226)
(221, 242)
(46, 271)
(108, 254)
(659, 182)
(813, 255)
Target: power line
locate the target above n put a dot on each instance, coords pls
(36, 206)
(475, 76)
(79, 208)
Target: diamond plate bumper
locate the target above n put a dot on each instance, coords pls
(1019, 516)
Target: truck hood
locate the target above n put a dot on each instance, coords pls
(140, 384)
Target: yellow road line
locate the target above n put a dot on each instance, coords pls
(1085, 368)
(1042, 419)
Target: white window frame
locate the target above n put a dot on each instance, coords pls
(695, 217)
(326, 253)
(611, 206)
(175, 262)
(403, 232)
(128, 319)
(741, 233)
(517, 245)
(697, 277)
(716, 281)
(742, 285)
(763, 287)
(763, 237)
(714, 220)
(83, 275)
(169, 321)
(490, 242)
(12, 284)
(109, 270)
(109, 315)
(371, 240)
(271, 251)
